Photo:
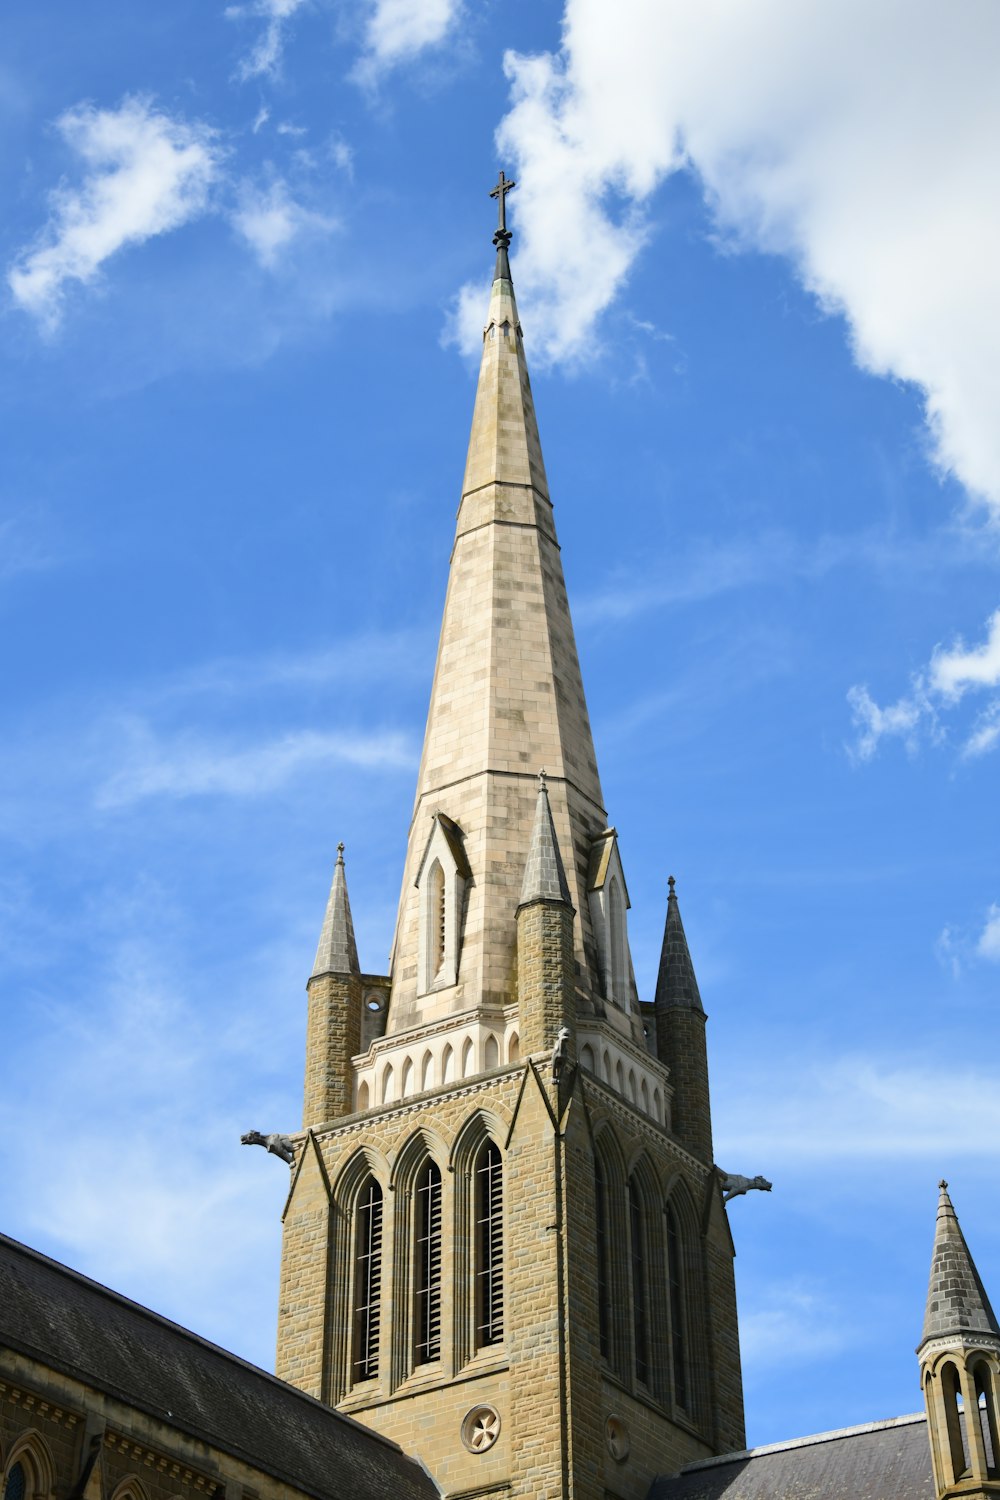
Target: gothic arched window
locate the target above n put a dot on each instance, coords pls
(427, 1261)
(982, 1380)
(437, 913)
(616, 943)
(954, 1411)
(16, 1487)
(637, 1258)
(603, 1279)
(678, 1339)
(488, 1175)
(367, 1280)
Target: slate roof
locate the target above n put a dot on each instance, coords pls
(80, 1328)
(881, 1461)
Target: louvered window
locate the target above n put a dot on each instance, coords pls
(427, 1291)
(678, 1350)
(367, 1280)
(438, 916)
(637, 1251)
(489, 1246)
(16, 1485)
(603, 1289)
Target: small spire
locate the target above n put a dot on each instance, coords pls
(337, 952)
(957, 1303)
(502, 237)
(544, 873)
(676, 983)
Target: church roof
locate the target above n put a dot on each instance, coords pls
(80, 1328)
(880, 1461)
(957, 1304)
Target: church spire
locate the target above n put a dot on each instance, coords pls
(545, 873)
(676, 983)
(680, 1034)
(957, 1304)
(337, 952)
(507, 697)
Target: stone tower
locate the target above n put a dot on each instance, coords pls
(959, 1357)
(501, 1249)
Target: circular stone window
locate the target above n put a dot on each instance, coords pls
(617, 1438)
(375, 1002)
(481, 1428)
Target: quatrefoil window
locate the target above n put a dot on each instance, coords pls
(481, 1428)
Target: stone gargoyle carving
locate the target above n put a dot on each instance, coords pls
(277, 1145)
(560, 1052)
(733, 1185)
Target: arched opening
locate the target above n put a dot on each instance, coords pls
(488, 1176)
(985, 1389)
(448, 1064)
(951, 1390)
(607, 1066)
(427, 1261)
(514, 1048)
(406, 1081)
(620, 1078)
(637, 1260)
(616, 942)
(491, 1053)
(468, 1058)
(603, 1279)
(587, 1058)
(367, 1280)
(427, 1071)
(678, 1332)
(437, 911)
(363, 1094)
(16, 1487)
(388, 1085)
(644, 1096)
(657, 1107)
(631, 1086)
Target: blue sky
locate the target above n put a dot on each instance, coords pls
(245, 255)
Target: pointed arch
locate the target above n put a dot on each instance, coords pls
(985, 1388)
(468, 1058)
(427, 1071)
(642, 1213)
(477, 1160)
(632, 1091)
(30, 1455)
(423, 1143)
(609, 1206)
(607, 1066)
(616, 942)
(388, 1090)
(406, 1079)
(954, 1413)
(686, 1336)
(130, 1488)
(363, 1094)
(361, 1163)
(448, 1064)
(587, 1057)
(514, 1048)
(491, 1054)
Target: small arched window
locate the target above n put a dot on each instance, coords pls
(362, 1095)
(448, 1064)
(367, 1280)
(468, 1059)
(16, 1487)
(982, 1380)
(637, 1257)
(427, 1071)
(388, 1085)
(437, 913)
(603, 1280)
(587, 1058)
(488, 1174)
(678, 1339)
(951, 1390)
(514, 1048)
(427, 1259)
(616, 943)
(491, 1053)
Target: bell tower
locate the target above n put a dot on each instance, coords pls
(502, 1248)
(959, 1357)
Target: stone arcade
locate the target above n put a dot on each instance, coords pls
(507, 1268)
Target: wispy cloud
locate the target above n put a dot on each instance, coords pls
(146, 173)
(951, 673)
(271, 221)
(853, 139)
(988, 945)
(264, 58)
(794, 1322)
(191, 765)
(398, 30)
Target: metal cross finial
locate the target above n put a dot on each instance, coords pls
(543, 777)
(500, 192)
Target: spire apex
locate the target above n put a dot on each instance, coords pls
(957, 1304)
(337, 952)
(544, 872)
(676, 983)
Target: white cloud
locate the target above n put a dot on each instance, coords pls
(856, 139)
(270, 221)
(264, 58)
(792, 1322)
(950, 675)
(397, 30)
(988, 945)
(146, 173)
(190, 766)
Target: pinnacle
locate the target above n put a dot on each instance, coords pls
(544, 873)
(957, 1304)
(337, 952)
(676, 984)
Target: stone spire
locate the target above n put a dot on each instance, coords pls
(544, 873)
(676, 983)
(507, 697)
(337, 952)
(957, 1304)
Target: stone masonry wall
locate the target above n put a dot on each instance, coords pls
(333, 1037)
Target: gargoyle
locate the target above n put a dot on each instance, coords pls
(277, 1145)
(733, 1185)
(560, 1052)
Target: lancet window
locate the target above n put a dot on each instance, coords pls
(678, 1334)
(427, 1261)
(488, 1226)
(637, 1258)
(367, 1280)
(603, 1279)
(16, 1487)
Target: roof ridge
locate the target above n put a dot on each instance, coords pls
(804, 1442)
(147, 1312)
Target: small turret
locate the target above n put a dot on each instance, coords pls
(680, 1035)
(333, 1034)
(959, 1357)
(546, 967)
